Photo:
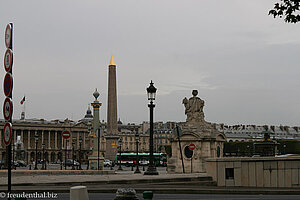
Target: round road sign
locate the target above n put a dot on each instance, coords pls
(7, 133)
(192, 147)
(7, 108)
(66, 134)
(8, 35)
(8, 60)
(8, 84)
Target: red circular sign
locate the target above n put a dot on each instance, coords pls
(192, 147)
(8, 84)
(66, 134)
(7, 133)
(8, 60)
(8, 35)
(7, 109)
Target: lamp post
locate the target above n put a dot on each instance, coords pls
(73, 143)
(120, 146)
(36, 137)
(43, 164)
(151, 90)
(80, 142)
(61, 158)
(137, 138)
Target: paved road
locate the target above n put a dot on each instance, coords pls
(109, 196)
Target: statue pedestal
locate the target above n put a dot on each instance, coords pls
(208, 141)
(111, 147)
(93, 161)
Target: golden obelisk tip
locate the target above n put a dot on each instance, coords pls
(112, 62)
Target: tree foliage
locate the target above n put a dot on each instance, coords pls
(289, 9)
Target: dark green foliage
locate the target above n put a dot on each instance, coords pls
(246, 148)
(287, 8)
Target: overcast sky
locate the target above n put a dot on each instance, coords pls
(244, 63)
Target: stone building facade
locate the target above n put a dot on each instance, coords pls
(50, 134)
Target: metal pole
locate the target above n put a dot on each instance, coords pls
(151, 168)
(120, 167)
(66, 154)
(180, 150)
(13, 155)
(137, 157)
(191, 165)
(36, 160)
(73, 167)
(8, 148)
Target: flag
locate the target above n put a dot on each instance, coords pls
(23, 100)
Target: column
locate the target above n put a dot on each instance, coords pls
(1, 140)
(77, 143)
(15, 136)
(22, 136)
(62, 142)
(28, 136)
(83, 140)
(56, 140)
(49, 139)
(42, 137)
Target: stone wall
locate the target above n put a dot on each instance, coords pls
(255, 172)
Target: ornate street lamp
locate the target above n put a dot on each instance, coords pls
(36, 137)
(44, 163)
(137, 139)
(80, 142)
(151, 90)
(120, 146)
(73, 143)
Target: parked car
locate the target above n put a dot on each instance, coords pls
(144, 162)
(107, 163)
(70, 162)
(21, 163)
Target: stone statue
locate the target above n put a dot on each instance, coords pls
(194, 108)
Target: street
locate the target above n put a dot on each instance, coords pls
(110, 196)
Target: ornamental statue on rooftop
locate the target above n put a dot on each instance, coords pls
(194, 108)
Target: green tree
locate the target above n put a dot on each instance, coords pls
(289, 9)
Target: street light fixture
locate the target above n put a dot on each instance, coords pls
(43, 164)
(36, 137)
(137, 138)
(80, 142)
(151, 91)
(120, 146)
(73, 143)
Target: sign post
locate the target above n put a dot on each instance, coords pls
(7, 107)
(192, 148)
(66, 135)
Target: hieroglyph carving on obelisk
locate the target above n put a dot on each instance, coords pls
(112, 125)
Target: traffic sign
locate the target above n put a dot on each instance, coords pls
(7, 109)
(8, 84)
(7, 133)
(66, 134)
(8, 36)
(192, 147)
(8, 60)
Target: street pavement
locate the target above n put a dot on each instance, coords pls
(164, 186)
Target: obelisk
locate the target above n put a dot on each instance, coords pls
(112, 125)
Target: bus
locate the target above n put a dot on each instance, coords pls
(129, 159)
